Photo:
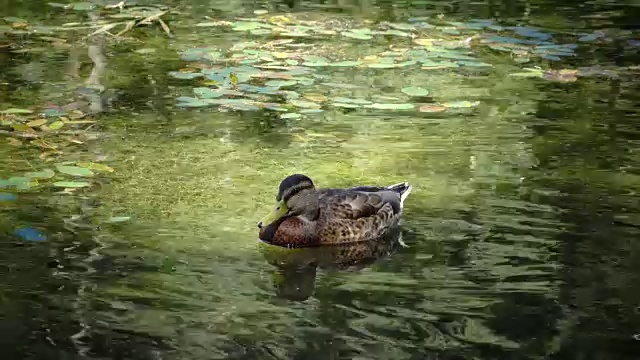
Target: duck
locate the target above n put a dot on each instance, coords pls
(306, 216)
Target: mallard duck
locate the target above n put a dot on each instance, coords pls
(304, 216)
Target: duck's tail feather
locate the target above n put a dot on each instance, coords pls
(403, 188)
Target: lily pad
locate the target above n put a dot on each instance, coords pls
(37, 122)
(430, 108)
(19, 182)
(345, 63)
(246, 25)
(207, 93)
(291, 116)
(280, 83)
(16, 111)
(44, 174)
(71, 184)
(461, 104)
(56, 125)
(81, 6)
(185, 101)
(415, 91)
(184, 75)
(357, 35)
(346, 105)
(304, 104)
(74, 170)
(395, 33)
(358, 101)
(96, 167)
(390, 106)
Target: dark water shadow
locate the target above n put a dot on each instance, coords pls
(294, 276)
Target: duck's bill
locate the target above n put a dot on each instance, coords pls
(279, 210)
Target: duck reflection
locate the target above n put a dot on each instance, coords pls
(295, 270)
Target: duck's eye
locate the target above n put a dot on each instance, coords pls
(278, 208)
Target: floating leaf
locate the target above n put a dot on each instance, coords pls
(357, 35)
(290, 116)
(22, 127)
(461, 104)
(395, 32)
(29, 234)
(96, 167)
(185, 101)
(402, 26)
(37, 122)
(18, 182)
(431, 108)
(56, 125)
(345, 63)
(346, 105)
(184, 75)
(233, 78)
(415, 91)
(315, 97)
(382, 65)
(74, 170)
(12, 19)
(351, 101)
(16, 111)
(207, 93)
(304, 104)
(529, 73)
(246, 25)
(280, 83)
(71, 184)
(310, 111)
(471, 63)
(58, 5)
(82, 6)
(44, 174)
(424, 42)
(315, 63)
(390, 106)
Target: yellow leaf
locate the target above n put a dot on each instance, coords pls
(423, 42)
(315, 97)
(43, 144)
(279, 19)
(22, 127)
(36, 123)
(233, 78)
(370, 59)
(56, 125)
(14, 142)
(96, 167)
(280, 55)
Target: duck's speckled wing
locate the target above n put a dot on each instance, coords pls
(353, 215)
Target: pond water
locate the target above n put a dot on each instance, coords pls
(142, 142)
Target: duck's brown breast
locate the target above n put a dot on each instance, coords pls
(294, 232)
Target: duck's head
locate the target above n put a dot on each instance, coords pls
(296, 197)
